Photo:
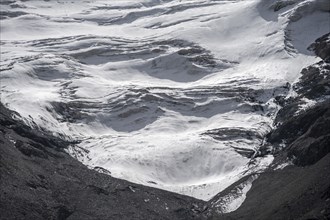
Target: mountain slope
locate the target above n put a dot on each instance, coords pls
(205, 98)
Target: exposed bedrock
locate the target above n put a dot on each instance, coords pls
(306, 135)
(304, 121)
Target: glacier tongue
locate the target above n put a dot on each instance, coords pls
(173, 94)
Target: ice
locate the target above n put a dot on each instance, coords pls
(233, 200)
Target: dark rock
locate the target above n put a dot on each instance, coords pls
(278, 5)
(321, 47)
(63, 212)
(295, 126)
(312, 146)
(315, 81)
(225, 134)
(102, 170)
(29, 150)
(98, 190)
(280, 100)
(305, 132)
(305, 135)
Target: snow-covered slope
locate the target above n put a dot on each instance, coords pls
(168, 93)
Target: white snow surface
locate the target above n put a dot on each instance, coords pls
(167, 93)
(234, 199)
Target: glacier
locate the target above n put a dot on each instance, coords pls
(172, 94)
